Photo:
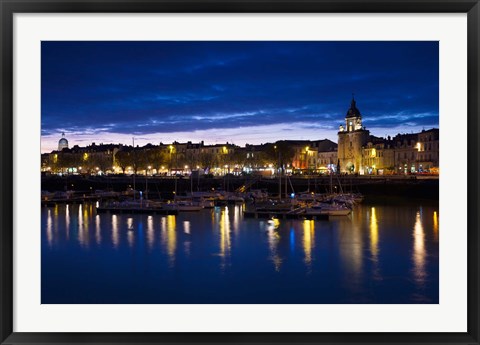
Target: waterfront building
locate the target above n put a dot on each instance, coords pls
(357, 152)
(327, 156)
(82, 160)
(428, 150)
(418, 152)
(304, 155)
(378, 156)
(352, 137)
(362, 153)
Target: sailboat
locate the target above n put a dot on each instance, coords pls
(183, 204)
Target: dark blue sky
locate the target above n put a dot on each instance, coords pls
(233, 91)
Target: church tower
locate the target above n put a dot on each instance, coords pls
(351, 138)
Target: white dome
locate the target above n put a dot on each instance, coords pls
(62, 143)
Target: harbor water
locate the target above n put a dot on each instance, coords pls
(383, 252)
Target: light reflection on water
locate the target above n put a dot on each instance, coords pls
(273, 240)
(131, 231)
(67, 219)
(49, 227)
(150, 232)
(419, 253)
(308, 241)
(224, 225)
(171, 238)
(435, 225)
(115, 236)
(352, 248)
(378, 254)
(98, 233)
(374, 243)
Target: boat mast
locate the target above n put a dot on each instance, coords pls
(134, 189)
(279, 175)
(331, 181)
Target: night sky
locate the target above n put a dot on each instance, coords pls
(240, 92)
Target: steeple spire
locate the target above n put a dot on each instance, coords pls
(353, 111)
(353, 104)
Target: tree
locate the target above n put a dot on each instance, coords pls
(123, 159)
(279, 154)
(207, 160)
(158, 158)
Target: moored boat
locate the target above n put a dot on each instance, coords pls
(182, 205)
(327, 209)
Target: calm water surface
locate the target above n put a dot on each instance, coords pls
(379, 254)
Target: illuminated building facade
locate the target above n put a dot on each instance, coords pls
(360, 152)
(62, 143)
(351, 138)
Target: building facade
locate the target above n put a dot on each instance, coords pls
(362, 153)
(352, 137)
(357, 152)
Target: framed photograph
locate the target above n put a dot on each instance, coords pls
(239, 172)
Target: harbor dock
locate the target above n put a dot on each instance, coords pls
(136, 210)
(282, 215)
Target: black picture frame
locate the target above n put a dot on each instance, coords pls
(9, 7)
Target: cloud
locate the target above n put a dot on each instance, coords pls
(97, 89)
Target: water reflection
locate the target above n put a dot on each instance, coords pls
(130, 232)
(115, 236)
(169, 237)
(374, 234)
(98, 230)
(186, 227)
(49, 228)
(237, 217)
(351, 250)
(364, 254)
(150, 232)
(82, 230)
(374, 247)
(187, 243)
(224, 224)
(419, 254)
(273, 240)
(308, 241)
(435, 225)
(67, 221)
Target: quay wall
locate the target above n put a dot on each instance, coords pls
(164, 187)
